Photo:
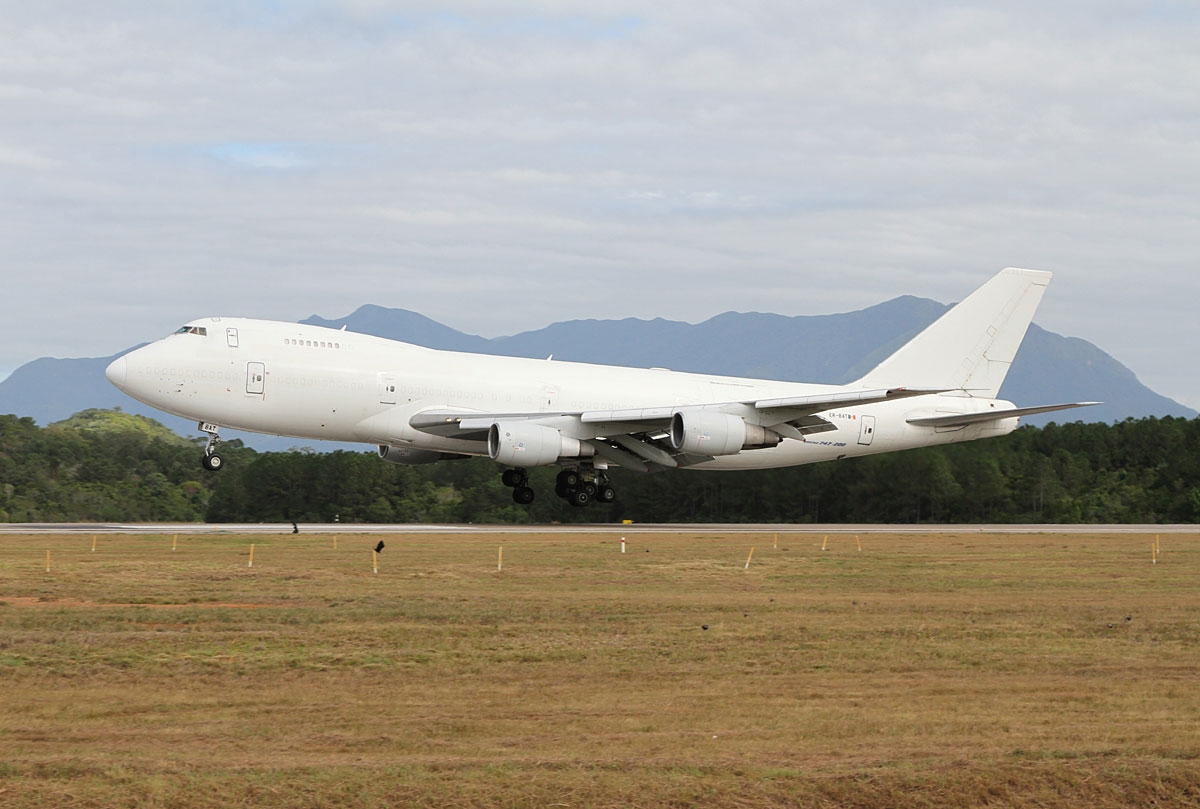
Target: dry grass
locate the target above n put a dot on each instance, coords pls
(947, 670)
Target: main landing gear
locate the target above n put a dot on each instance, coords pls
(581, 486)
(577, 486)
(211, 460)
(518, 481)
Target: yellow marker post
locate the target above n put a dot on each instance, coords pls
(174, 541)
(748, 558)
(251, 563)
(777, 542)
(859, 541)
(825, 544)
(375, 560)
(47, 560)
(93, 543)
(500, 560)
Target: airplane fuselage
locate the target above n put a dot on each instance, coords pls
(317, 383)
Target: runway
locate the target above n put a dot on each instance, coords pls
(590, 528)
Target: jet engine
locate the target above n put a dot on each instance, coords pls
(523, 443)
(705, 432)
(410, 456)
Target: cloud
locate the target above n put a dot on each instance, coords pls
(501, 166)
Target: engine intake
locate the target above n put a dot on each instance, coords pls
(522, 443)
(700, 432)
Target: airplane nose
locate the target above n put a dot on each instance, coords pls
(116, 372)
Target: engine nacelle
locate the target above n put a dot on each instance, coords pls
(523, 443)
(705, 432)
(410, 456)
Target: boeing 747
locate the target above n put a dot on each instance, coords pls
(419, 405)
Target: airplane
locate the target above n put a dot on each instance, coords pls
(419, 405)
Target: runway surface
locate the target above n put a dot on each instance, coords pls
(605, 528)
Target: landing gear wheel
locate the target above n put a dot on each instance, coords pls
(212, 463)
(579, 497)
(606, 494)
(514, 478)
(522, 495)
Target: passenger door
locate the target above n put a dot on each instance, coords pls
(256, 378)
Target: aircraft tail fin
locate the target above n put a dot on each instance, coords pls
(972, 346)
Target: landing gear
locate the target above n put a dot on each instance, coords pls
(211, 460)
(577, 486)
(581, 486)
(518, 481)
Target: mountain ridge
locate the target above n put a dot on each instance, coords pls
(833, 349)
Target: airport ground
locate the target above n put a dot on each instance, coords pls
(237, 665)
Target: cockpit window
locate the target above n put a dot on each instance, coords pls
(200, 330)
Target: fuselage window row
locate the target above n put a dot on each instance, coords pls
(311, 343)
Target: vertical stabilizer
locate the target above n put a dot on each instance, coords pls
(972, 346)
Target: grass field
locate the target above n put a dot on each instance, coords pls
(963, 669)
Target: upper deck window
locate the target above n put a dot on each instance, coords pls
(200, 330)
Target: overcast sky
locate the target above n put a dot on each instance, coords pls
(501, 166)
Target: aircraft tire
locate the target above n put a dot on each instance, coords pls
(579, 497)
(522, 495)
(213, 463)
(606, 494)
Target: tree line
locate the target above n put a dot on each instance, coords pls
(110, 466)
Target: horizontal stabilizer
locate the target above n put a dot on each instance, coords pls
(963, 419)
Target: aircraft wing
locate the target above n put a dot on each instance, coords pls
(636, 437)
(962, 420)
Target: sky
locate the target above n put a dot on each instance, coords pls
(499, 166)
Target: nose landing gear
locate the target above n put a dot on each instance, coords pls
(211, 460)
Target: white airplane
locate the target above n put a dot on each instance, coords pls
(419, 405)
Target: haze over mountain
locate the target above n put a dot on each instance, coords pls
(831, 349)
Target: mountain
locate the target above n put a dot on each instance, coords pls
(833, 349)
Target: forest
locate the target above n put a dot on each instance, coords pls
(110, 466)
